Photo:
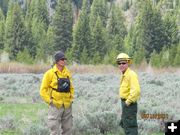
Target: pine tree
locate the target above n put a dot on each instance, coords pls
(82, 38)
(150, 30)
(99, 40)
(99, 8)
(62, 25)
(129, 41)
(110, 57)
(49, 41)
(116, 29)
(171, 29)
(177, 57)
(2, 21)
(84, 56)
(165, 62)
(41, 11)
(15, 32)
(38, 9)
(96, 59)
(155, 59)
(139, 56)
(39, 37)
(69, 54)
(172, 54)
(30, 44)
(24, 57)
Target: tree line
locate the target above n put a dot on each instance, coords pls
(32, 30)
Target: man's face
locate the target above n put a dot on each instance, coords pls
(62, 62)
(123, 65)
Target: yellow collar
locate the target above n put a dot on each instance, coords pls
(126, 72)
(55, 69)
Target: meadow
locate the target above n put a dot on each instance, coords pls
(96, 107)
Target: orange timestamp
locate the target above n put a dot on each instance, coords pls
(154, 116)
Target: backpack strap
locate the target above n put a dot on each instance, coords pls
(57, 75)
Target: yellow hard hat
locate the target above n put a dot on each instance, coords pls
(124, 56)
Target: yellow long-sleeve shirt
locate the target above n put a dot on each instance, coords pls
(129, 86)
(50, 81)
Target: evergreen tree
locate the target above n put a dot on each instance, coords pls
(171, 29)
(30, 44)
(129, 41)
(96, 59)
(24, 57)
(172, 54)
(84, 56)
(155, 59)
(39, 37)
(110, 57)
(49, 41)
(99, 41)
(177, 57)
(150, 30)
(15, 33)
(165, 57)
(116, 29)
(139, 56)
(82, 35)
(69, 54)
(38, 9)
(2, 21)
(99, 8)
(62, 25)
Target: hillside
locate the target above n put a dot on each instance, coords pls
(91, 31)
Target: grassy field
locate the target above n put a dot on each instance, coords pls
(19, 117)
(22, 112)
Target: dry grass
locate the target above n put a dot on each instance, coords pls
(150, 69)
(13, 67)
(93, 69)
(22, 68)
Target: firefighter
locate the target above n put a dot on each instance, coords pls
(58, 92)
(129, 93)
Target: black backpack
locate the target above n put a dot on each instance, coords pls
(63, 84)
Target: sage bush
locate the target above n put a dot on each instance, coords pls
(97, 107)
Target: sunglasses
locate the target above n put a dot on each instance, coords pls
(63, 59)
(122, 63)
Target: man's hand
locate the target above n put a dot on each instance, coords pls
(51, 101)
(127, 103)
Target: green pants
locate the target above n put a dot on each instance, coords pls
(129, 118)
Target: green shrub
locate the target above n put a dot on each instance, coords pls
(36, 129)
(7, 122)
(24, 57)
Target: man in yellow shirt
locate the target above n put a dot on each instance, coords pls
(129, 93)
(57, 91)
